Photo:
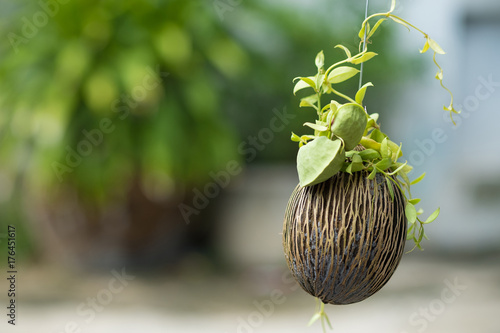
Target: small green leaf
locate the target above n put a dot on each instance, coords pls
(369, 143)
(375, 27)
(305, 103)
(320, 60)
(377, 135)
(416, 181)
(435, 46)
(411, 213)
(355, 167)
(426, 46)
(320, 78)
(349, 168)
(374, 116)
(407, 168)
(398, 167)
(304, 82)
(341, 74)
(384, 148)
(360, 95)
(334, 105)
(372, 122)
(314, 318)
(403, 175)
(420, 237)
(369, 154)
(295, 137)
(433, 216)
(309, 101)
(410, 236)
(330, 116)
(395, 150)
(414, 201)
(361, 33)
(389, 186)
(356, 158)
(350, 153)
(372, 175)
(316, 127)
(384, 164)
(439, 75)
(365, 57)
(307, 137)
(346, 50)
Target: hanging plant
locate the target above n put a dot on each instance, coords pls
(347, 221)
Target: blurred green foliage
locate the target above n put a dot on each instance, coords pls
(100, 96)
(182, 84)
(147, 66)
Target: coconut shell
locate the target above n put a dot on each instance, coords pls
(344, 238)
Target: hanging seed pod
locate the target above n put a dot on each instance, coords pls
(344, 238)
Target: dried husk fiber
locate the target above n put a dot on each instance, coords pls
(344, 238)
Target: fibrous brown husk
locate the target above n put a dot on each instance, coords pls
(344, 238)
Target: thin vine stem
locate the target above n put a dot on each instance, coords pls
(364, 49)
(338, 93)
(335, 65)
(390, 15)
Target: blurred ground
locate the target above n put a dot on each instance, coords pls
(426, 294)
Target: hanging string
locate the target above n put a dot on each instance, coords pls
(364, 47)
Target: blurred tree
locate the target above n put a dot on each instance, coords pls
(113, 111)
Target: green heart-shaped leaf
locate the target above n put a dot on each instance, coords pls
(349, 124)
(319, 160)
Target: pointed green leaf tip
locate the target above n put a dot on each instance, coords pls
(319, 160)
(375, 27)
(433, 216)
(304, 82)
(320, 60)
(435, 46)
(411, 213)
(364, 58)
(317, 127)
(346, 50)
(295, 137)
(360, 95)
(426, 46)
(416, 181)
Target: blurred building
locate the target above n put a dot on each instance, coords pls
(461, 161)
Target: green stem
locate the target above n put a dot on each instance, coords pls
(342, 95)
(335, 65)
(320, 111)
(389, 14)
(411, 25)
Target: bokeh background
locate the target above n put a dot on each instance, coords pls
(150, 140)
